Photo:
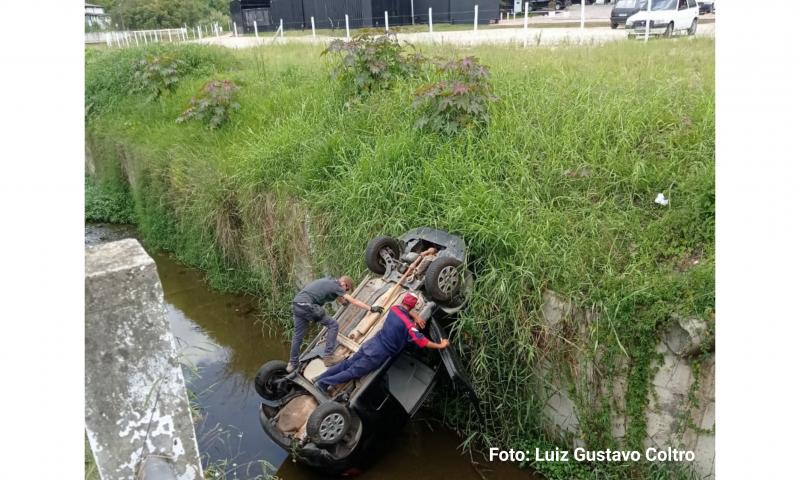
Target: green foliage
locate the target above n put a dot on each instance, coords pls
(108, 201)
(156, 75)
(372, 62)
(556, 192)
(461, 100)
(112, 75)
(213, 104)
(147, 14)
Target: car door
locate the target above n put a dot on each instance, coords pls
(455, 370)
(682, 18)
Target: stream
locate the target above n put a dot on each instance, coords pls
(221, 344)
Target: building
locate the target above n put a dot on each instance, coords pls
(296, 14)
(96, 18)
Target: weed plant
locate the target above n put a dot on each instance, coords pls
(557, 193)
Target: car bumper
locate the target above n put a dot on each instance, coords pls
(655, 29)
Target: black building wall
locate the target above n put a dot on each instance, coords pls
(291, 11)
(440, 11)
(330, 13)
(463, 11)
(399, 12)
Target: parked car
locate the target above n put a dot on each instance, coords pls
(338, 432)
(544, 4)
(706, 7)
(665, 17)
(624, 9)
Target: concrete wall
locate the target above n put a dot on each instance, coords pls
(137, 411)
(673, 419)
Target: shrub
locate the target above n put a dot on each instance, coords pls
(157, 75)
(371, 63)
(460, 100)
(213, 105)
(108, 201)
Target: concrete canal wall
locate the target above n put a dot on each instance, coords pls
(137, 413)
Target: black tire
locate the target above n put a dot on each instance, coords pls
(443, 279)
(266, 377)
(372, 256)
(328, 423)
(693, 28)
(614, 26)
(668, 31)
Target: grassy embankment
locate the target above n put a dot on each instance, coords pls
(557, 193)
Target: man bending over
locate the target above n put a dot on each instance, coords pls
(400, 328)
(307, 308)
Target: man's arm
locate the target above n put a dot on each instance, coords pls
(347, 298)
(427, 342)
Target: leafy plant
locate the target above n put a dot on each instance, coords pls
(373, 62)
(460, 100)
(214, 103)
(157, 75)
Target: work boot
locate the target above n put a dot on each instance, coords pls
(329, 360)
(291, 368)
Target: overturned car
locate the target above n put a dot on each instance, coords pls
(338, 431)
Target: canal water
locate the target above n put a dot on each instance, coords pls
(222, 344)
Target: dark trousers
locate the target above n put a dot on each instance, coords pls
(358, 365)
(305, 314)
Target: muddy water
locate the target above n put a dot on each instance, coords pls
(222, 346)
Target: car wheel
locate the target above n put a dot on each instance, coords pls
(614, 26)
(328, 423)
(668, 31)
(443, 279)
(693, 28)
(559, 5)
(266, 377)
(376, 249)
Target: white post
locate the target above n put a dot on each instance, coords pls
(136, 38)
(430, 19)
(116, 39)
(412, 12)
(144, 36)
(255, 28)
(281, 28)
(169, 34)
(347, 25)
(199, 33)
(127, 39)
(475, 23)
(386, 20)
(583, 13)
(525, 21)
(313, 29)
(647, 21)
(235, 30)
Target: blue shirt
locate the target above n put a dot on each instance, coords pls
(320, 292)
(398, 331)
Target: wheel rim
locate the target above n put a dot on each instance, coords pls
(448, 280)
(331, 427)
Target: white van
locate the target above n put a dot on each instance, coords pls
(666, 17)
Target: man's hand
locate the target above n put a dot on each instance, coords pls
(444, 344)
(376, 309)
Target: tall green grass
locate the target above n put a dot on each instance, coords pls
(558, 193)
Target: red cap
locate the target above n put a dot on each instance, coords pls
(409, 301)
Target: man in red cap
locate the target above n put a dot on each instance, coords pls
(401, 327)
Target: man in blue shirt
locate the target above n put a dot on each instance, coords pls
(400, 328)
(307, 308)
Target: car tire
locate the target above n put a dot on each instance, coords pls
(559, 5)
(372, 255)
(668, 31)
(443, 279)
(265, 378)
(614, 26)
(693, 28)
(328, 423)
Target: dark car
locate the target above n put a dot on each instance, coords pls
(338, 432)
(706, 7)
(624, 9)
(542, 4)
